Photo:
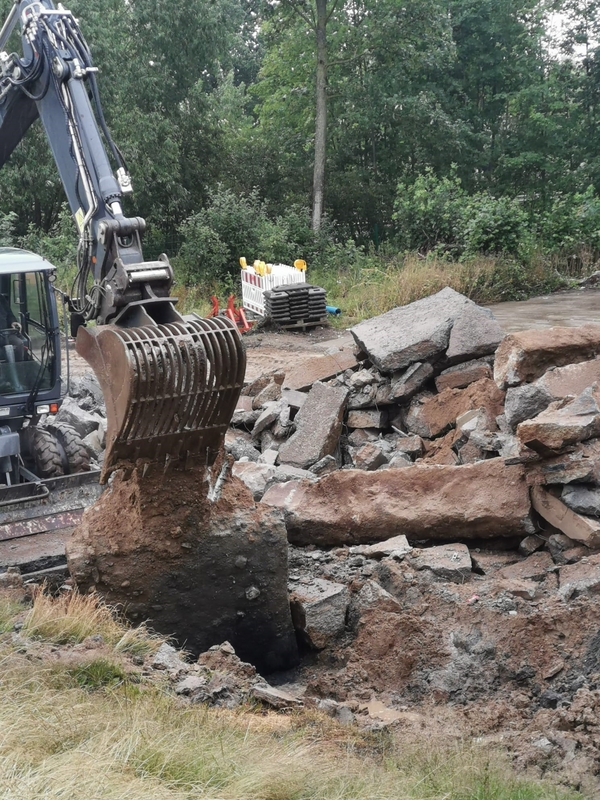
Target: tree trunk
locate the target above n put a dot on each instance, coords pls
(321, 116)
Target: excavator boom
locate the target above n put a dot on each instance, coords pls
(170, 383)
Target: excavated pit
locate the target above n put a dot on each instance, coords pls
(202, 571)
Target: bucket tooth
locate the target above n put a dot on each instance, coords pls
(170, 390)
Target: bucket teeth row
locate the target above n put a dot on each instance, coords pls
(170, 390)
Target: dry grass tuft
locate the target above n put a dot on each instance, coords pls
(93, 734)
(72, 617)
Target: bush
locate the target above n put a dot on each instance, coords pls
(436, 214)
(572, 223)
(202, 254)
(429, 212)
(493, 225)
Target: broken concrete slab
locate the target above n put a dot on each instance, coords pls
(240, 446)
(582, 499)
(564, 423)
(319, 368)
(421, 331)
(319, 611)
(533, 568)
(421, 501)
(476, 332)
(526, 355)
(406, 384)
(200, 570)
(582, 529)
(268, 416)
(462, 375)
(452, 562)
(255, 476)
(271, 393)
(580, 578)
(293, 398)
(318, 427)
(367, 418)
(396, 546)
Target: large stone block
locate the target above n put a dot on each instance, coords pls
(421, 331)
(201, 571)
(318, 427)
(526, 355)
(482, 500)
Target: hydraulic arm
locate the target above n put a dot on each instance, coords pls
(170, 383)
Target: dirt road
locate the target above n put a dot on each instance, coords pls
(566, 309)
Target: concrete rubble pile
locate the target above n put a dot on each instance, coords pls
(441, 428)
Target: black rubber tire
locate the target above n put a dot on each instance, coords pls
(76, 452)
(45, 453)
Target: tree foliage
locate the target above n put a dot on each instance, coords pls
(457, 125)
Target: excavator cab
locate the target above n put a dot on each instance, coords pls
(29, 337)
(33, 446)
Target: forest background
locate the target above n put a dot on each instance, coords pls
(456, 143)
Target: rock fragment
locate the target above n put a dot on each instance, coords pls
(407, 383)
(319, 611)
(582, 529)
(582, 499)
(462, 375)
(452, 562)
(563, 423)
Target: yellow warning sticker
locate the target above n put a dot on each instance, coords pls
(79, 217)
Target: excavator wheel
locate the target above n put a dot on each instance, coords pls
(77, 455)
(44, 452)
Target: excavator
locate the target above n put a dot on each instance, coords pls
(170, 382)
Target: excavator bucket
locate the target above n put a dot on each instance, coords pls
(170, 390)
